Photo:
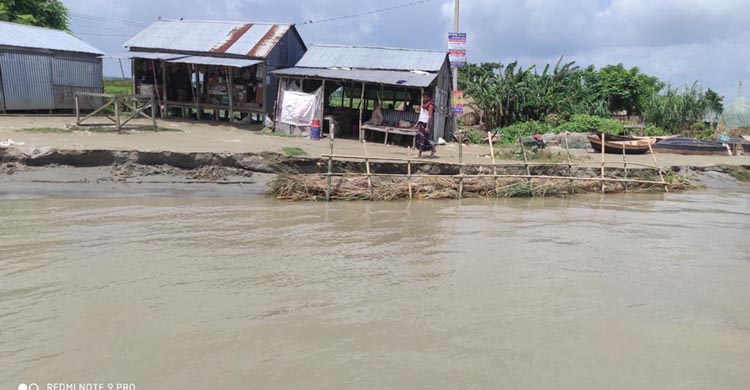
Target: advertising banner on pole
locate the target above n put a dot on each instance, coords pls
(457, 103)
(457, 49)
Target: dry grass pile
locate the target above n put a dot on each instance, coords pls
(313, 187)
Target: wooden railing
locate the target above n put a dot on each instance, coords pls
(137, 104)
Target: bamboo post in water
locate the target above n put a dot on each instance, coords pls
(658, 168)
(494, 164)
(408, 172)
(330, 166)
(526, 163)
(570, 163)
(367, 165)
(603, 147)
(625, 166)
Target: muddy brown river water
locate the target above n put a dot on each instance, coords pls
(192, 292)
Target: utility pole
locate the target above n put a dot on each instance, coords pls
(460, 137)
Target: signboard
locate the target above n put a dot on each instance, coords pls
(457, 103)
(457, 49)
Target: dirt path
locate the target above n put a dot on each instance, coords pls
(190, 136)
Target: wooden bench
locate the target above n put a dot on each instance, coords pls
(393, 116)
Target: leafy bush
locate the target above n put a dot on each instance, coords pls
(699, 130)
(587, 123)
(474, 136)
(510, 134)
(654, 131)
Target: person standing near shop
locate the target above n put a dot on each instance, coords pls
(423, 125)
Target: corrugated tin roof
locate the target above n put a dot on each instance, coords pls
(233, 62)
(325, 56)
(148, 55)
(20, 35)
(389, 77)
(246, 39)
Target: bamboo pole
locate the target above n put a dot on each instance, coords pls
(164, 88)
(78, 112)
(625, 167)
(633, 163)
(230, 92)
(117, 115)
(408, 172)
(544, 177)
(570, 163)
(361, 111)
(531, 164)
(156, 88)
(330, 168)
(526, 164)
(492, 153)
(603, 147)
(650, 149)
(153, 114)
(367, 165)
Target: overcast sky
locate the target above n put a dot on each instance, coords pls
(679, 41)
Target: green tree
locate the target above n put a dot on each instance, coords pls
(677, 110)
(625, 89)
(715, 101)
(41, 13)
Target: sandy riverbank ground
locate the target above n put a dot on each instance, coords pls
(191, 136)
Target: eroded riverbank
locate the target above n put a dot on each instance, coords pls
(297, 178)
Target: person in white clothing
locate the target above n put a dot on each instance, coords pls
(423, 125)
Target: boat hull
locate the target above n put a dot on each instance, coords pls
(691, 147)
(616, 147)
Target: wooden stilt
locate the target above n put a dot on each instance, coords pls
(230, 86)
(164, 89)
(156, 88)
(361, 111)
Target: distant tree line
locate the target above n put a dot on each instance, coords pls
(510, 94)
(41, 13)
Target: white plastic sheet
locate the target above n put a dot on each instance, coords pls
(298, 108)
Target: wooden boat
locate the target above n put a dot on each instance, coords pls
(690, 146)
(616, 147)
(613, 137)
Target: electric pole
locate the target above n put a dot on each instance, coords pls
(455, 88)
(455, 29)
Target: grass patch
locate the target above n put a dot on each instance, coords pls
(294, 152)
(124, 86)
(536, 155)
(280, 135)
(739, 173)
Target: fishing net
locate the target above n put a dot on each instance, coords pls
(737, 115)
